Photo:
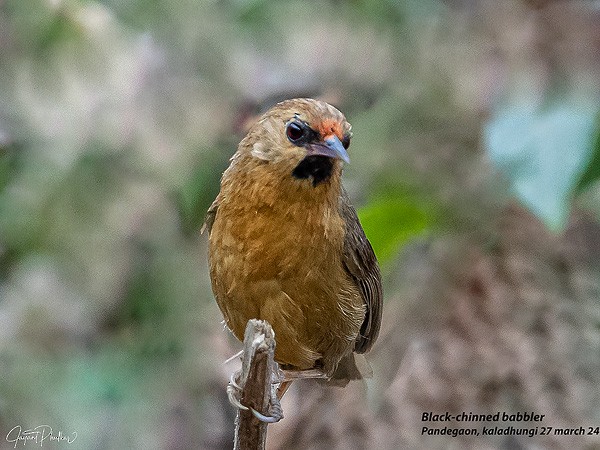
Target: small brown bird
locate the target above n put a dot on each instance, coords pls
(286, 245)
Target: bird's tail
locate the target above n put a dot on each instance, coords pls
(351, 367)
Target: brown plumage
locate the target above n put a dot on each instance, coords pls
(286, 245)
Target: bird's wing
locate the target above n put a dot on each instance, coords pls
(210, 216)
(360, 262)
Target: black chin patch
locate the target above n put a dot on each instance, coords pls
(316, 166)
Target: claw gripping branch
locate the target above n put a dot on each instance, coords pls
(256, 387)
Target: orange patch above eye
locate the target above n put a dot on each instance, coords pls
(328, 127)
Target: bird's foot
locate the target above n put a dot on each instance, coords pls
(234, 392)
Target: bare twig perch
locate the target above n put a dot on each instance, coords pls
(256, 381)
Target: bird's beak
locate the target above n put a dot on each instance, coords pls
(331, 146)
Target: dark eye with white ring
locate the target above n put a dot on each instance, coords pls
(346, 141)
(295, 131)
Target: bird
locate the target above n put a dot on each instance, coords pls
(286, 245)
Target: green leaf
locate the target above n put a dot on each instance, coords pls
(391, 221)
(544, 153)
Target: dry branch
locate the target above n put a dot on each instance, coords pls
(256, 383)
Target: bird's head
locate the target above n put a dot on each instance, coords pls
(303, 137)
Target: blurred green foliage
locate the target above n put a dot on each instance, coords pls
(393, 219)
(199, 190)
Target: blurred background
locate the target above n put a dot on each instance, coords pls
(475, 166)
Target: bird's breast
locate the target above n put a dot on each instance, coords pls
(279, 239)
(276, 254)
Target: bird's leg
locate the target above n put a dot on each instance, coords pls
(287, 376)
(275, 408)
(291, 375)
(282, 388)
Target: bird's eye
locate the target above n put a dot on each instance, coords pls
(346, 142)
(294, 132)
